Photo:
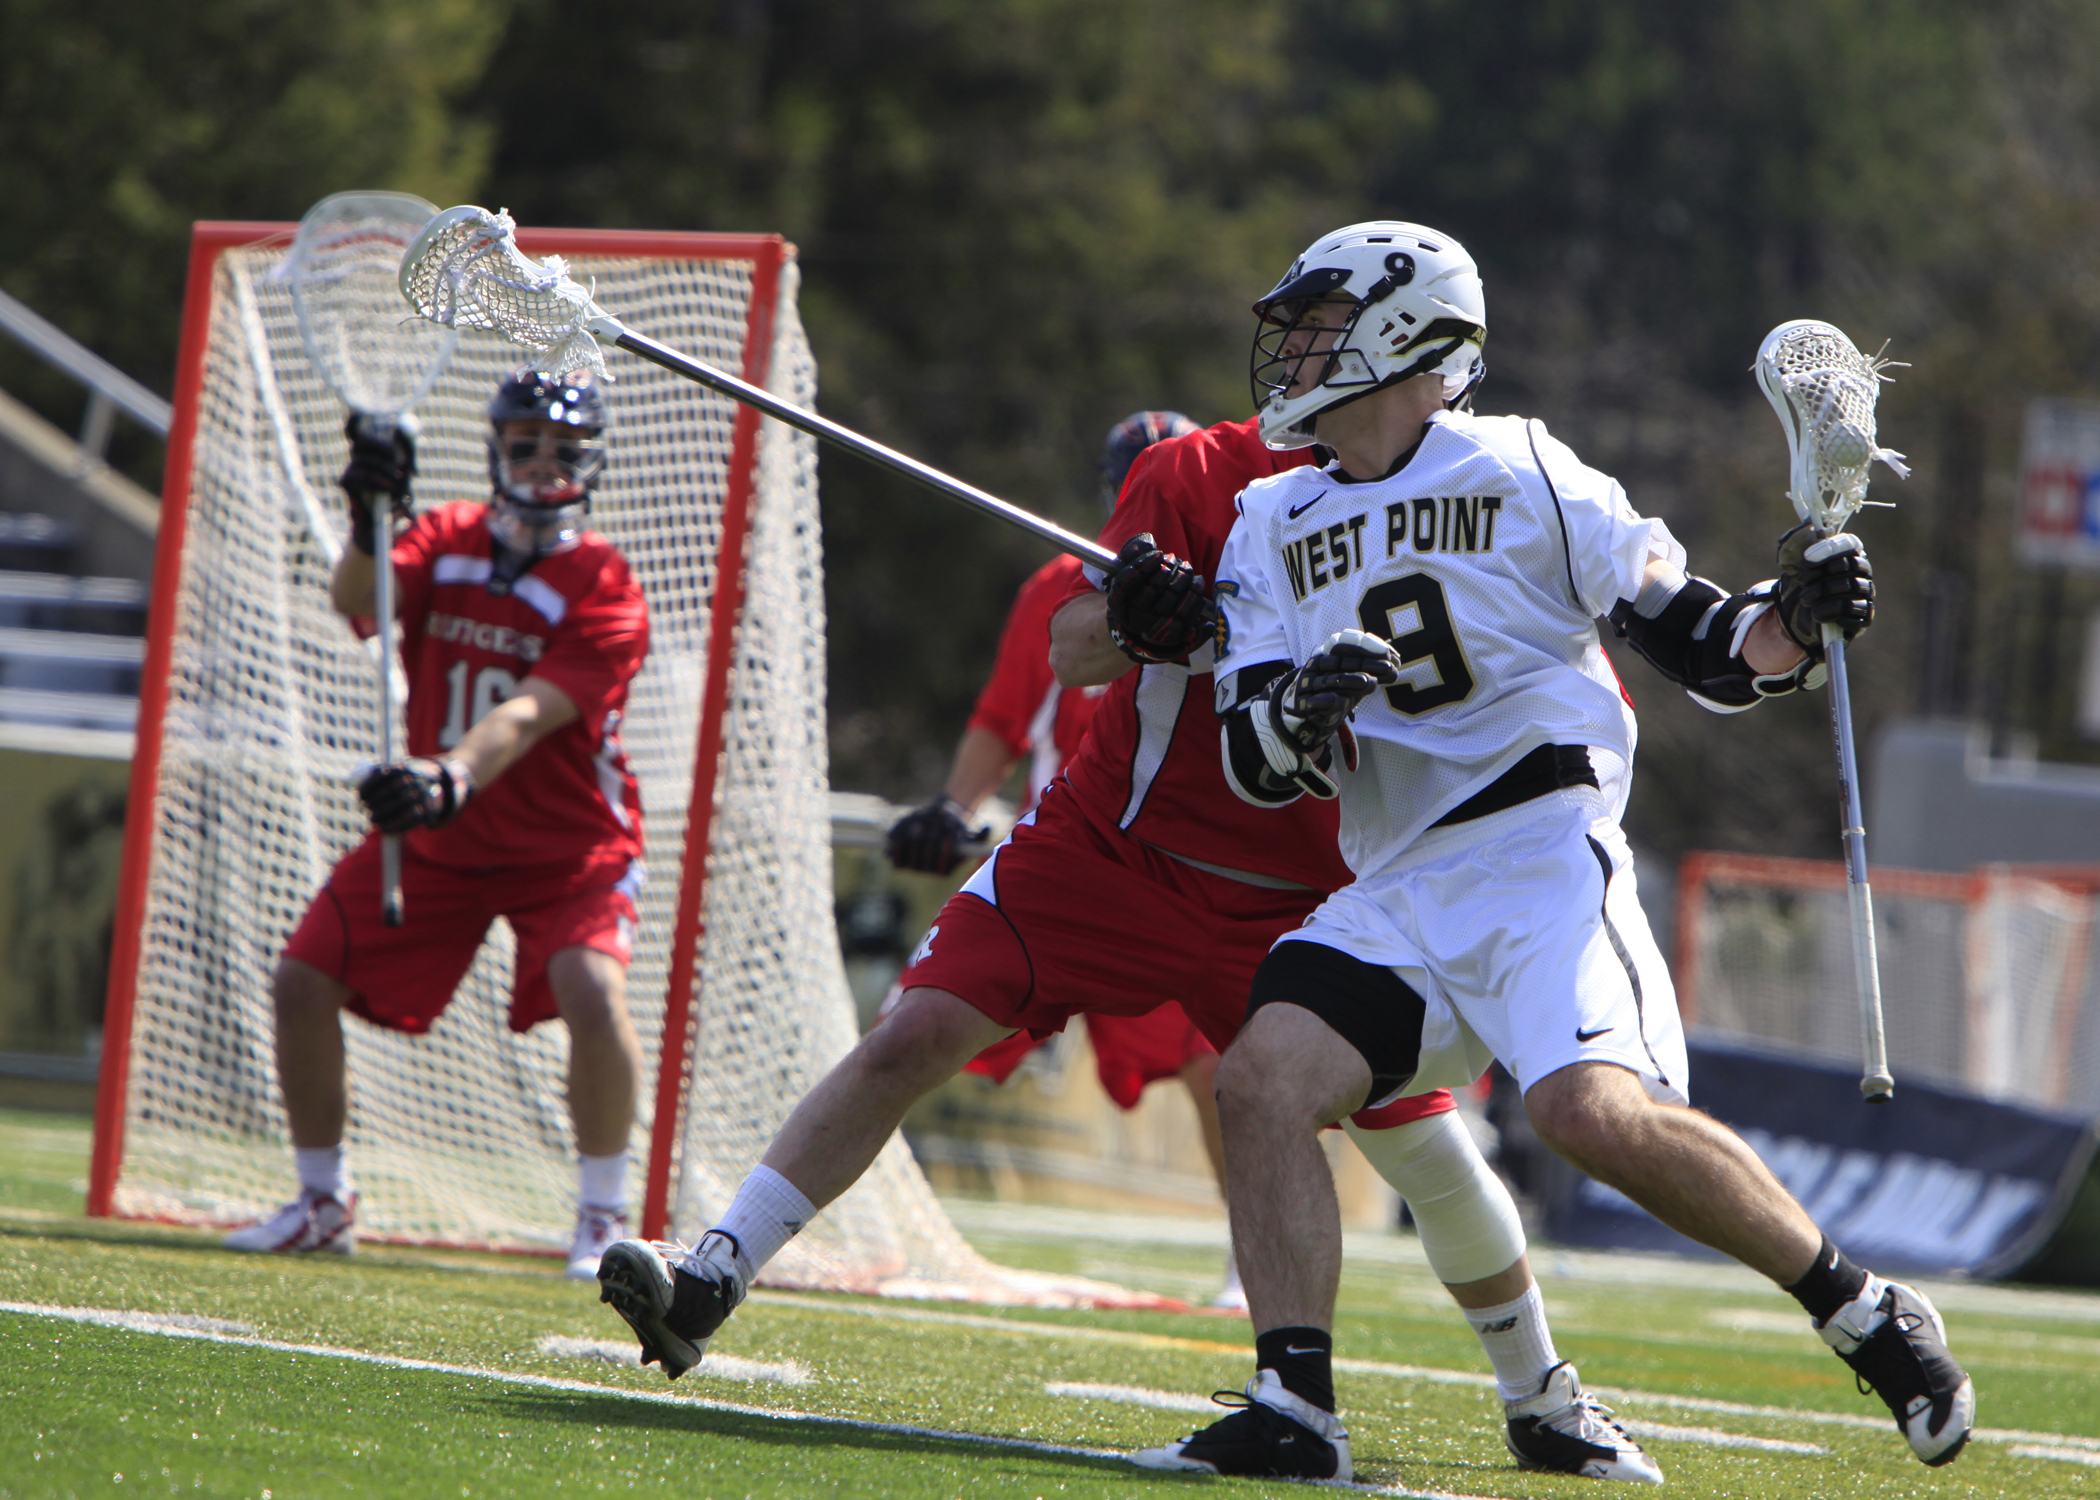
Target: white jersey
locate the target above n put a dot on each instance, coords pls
(1486, 560)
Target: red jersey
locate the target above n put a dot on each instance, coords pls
(576, 620)
(1151, 765)
(1022, 703)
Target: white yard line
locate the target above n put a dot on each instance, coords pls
(1619, 1394)
(2069, 1455)
(185, 1328)
(1130, 1395)
(1712, 1438)
(204, 1330)
(218, 1331)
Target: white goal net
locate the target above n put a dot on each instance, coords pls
(1990, 982)
(242, 801)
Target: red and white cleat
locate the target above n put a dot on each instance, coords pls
(304, 1226)
(597, 1231)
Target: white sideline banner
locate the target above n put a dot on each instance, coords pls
(2060, 484)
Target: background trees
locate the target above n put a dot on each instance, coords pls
(1020, 219)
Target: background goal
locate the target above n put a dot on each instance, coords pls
(256, 703)
(1990, 981)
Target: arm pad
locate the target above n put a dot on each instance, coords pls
(1249, 743)
(1693, 634)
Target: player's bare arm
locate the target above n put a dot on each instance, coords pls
(429, 792)
(352, 590)
(1081, 653)
(983, 761)
(513, 727)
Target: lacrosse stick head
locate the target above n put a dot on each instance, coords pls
(341, 270)
(1824, 391)
(465, 270)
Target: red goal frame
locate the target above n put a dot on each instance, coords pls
(767, 255)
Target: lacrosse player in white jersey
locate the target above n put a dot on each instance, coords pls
(1412, 626)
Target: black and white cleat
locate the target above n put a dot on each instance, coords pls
(1896, 1344)
(673, 1298)
(1272, 1435)
(1564, 1430)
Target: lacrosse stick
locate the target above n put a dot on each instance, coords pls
(1824, 390)
(465, 270)
(342, 268)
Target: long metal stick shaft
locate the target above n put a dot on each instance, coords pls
(383, 605)
(845, 437)
(1876, 1084)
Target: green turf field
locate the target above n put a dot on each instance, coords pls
(420, 1374)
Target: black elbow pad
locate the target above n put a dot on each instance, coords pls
(1689, 632)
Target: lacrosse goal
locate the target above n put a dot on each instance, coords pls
(257, 702)
(1990, 980)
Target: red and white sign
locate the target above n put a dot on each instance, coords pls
(2060, 484)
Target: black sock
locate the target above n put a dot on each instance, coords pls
(1830, 1283)
(1302, 1359)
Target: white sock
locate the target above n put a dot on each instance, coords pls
(601, 1182)
(1518, 1343)
(323, 1172)
(768, 1212)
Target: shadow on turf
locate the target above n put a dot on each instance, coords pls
(783, 1431)
(805, 1433)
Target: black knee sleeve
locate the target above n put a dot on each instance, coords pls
(1371, 1008)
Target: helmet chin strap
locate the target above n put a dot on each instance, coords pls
(508, 561)
(1425, 365)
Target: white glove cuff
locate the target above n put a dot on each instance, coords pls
(1279, 750)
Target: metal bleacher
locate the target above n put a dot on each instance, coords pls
(76, 546)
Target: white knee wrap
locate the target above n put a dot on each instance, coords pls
(1467, 1220)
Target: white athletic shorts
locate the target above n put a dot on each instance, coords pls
(1520, 945)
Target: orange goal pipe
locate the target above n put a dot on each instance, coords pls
(725, 611)
(142, 801)
(1700, 868)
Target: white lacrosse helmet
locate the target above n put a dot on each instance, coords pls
(1418, 309)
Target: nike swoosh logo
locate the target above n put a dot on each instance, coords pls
(1292, 515)
(1288, 1349)
(1590, 1036)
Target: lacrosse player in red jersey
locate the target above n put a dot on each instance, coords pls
(520, 632)
(1024, 711)
(1411, 627)
(1140, 878)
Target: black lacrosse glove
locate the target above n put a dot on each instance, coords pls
(930, 839)
(1157, 608)
(379, 465)
(418, 793)
(1312, 705)
(1823, 581)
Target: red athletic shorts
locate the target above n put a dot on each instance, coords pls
(1129, 1051)
(1068, 918)
(403, 977)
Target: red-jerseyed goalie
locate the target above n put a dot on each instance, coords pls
(520, 631)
